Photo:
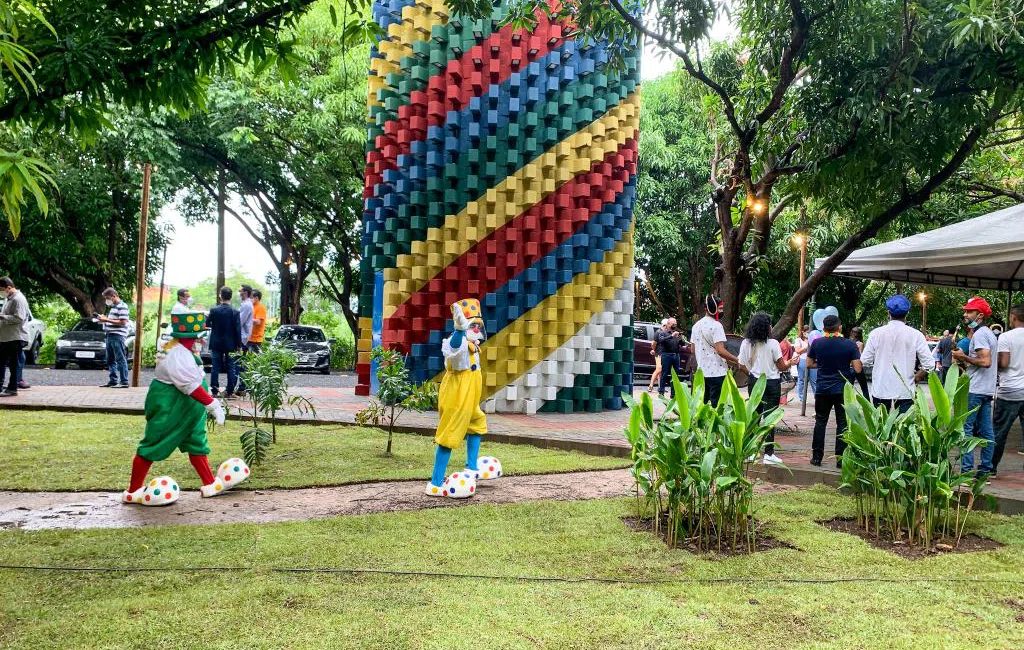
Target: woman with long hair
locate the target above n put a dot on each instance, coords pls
(761, 356)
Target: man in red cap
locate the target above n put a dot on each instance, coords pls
(983, 373)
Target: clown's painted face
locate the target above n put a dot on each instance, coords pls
(476, 333)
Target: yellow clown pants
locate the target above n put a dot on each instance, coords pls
(458, 403)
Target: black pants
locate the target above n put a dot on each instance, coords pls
(9, 352)
(669, 361)
(769, 402)
(1003, 415)
(901, 405)
(823, 406)
(713, 389)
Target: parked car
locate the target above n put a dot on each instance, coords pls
(202, 344)
(85, 346)
(36, 329)
(311, 346)
(643, 353)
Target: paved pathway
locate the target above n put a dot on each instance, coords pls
(595, 433)
(46, 510)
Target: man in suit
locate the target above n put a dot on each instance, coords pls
(225, 340)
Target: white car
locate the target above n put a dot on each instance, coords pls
(36, 329)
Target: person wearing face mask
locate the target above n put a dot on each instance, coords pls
(12, 333)
(115, 326)
(184, 302)
(983, 371)
(458, 406)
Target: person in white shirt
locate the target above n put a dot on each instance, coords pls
(184, 302)
(893, 350)
(1009, 404)
(708, 342)
(761, 356)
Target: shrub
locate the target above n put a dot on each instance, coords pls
(690, 465)
(343, 354)
(903, 469)
(266, 379)
(395, 393)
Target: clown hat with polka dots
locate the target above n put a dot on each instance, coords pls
(188, 324)
(466, 312)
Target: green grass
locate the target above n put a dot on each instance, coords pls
(45, 450)
(257, 608)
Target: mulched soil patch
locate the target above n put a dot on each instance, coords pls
(969, 543)
(763, 541)
(1017, 606)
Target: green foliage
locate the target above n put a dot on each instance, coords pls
(395, 393)
(266, 381)
(343, 354)
(903, 469)
(690, 465)
(205, 291)
(87, 240)
(292, 150)
(674, 220)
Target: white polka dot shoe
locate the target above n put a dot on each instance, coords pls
(133, 497)
(213, 489)
(460, 485)
(232, 472)
(160, 491)
(434, 490)
(488, 468)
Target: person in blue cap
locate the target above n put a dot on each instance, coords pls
(900, 357)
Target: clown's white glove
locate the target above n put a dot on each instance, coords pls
(215, 409)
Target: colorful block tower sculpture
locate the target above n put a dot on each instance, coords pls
(501, 165)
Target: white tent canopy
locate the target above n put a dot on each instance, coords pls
(983, 253)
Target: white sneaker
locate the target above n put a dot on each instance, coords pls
(772, 459)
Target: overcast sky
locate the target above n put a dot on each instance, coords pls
(192, 255)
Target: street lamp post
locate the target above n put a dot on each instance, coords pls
(923, 297)
(801, 241)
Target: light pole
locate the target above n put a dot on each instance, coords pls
(923, 297)
(800, 240)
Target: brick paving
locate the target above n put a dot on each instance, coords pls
(595, 433)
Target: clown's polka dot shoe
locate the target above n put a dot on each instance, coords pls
(488, 468)
(460, 485)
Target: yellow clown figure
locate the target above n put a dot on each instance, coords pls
(459, 407)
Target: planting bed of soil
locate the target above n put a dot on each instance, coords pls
(969, 543)
(762, 541)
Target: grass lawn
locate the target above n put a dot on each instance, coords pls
(259, 608)
(44, 450)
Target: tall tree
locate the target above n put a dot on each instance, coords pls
(290, 149)
(67, 63)
(87, 240)
(674, 219)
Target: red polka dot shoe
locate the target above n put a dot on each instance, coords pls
(232, 472)
(160, 491)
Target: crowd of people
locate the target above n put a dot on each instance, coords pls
(232, 331)
(897, 356)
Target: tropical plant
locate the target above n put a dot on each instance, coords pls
(266, 379)
(903, 469)
(395, 393)
(690, 464)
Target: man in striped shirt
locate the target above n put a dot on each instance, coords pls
(115, 326)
